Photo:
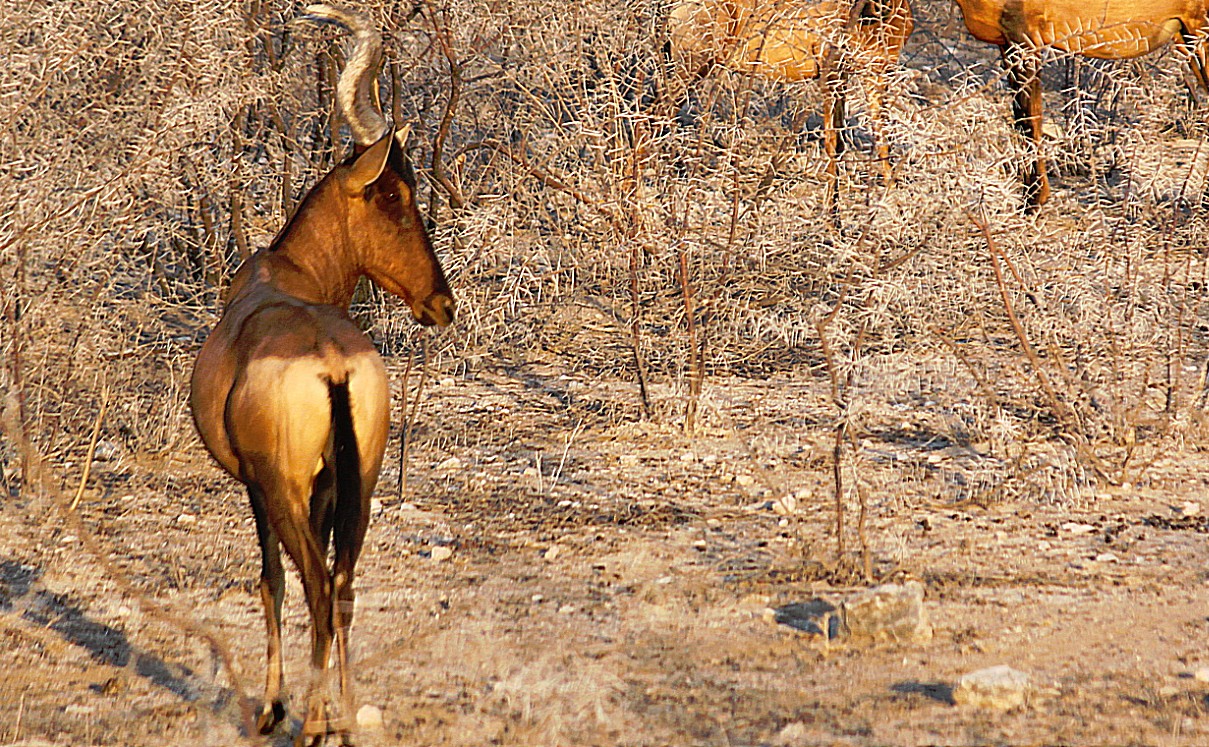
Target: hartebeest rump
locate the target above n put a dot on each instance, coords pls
(1106, 29)
(292, 398)
(796, 40)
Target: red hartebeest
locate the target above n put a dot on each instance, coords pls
(795, 40)
(1106, 29)
(292, 398)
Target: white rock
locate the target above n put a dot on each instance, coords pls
(785, 505)
(186, 519)
(745, 481)
(552, 552)
(441, 552)
(1201, 675)
(369, 717)
(997, 688)
(451, 463)
(1107, 557)
(1076, 528)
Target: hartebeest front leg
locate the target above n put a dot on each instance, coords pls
(1024, 77)
(833, 123)
(272, 591)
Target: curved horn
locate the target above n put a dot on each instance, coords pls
(357, 89)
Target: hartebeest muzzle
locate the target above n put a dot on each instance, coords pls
(437, 309)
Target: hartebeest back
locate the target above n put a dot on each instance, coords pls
(795, 40)
(292, 398)
(1106, 29)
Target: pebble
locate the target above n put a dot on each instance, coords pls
(1107, 557)
(106, 451)
(1201, 675)
(745, 481)
(369, 718)
(450, 464)
(552, 552)
(441, 552)
(186, 519)
(1076, 528)
(996, 688)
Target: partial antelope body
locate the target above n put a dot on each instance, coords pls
(1106, 29)
(292, 398)
(792, 40)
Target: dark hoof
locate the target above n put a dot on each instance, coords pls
(271, 715)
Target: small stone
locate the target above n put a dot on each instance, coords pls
(1107, 557)
(1189, 508)
(996, 688)
(745, 481)
(369, 718)
(537, 598)
(106, 451)
(792, 733)
(186, 519)
(566, 609)
(1072, 527)
(530, 472)
(1201, 675)
(688, 456)
(890, 612)
(441, 552)
(785, 505)
(552, 552)
(451, 463)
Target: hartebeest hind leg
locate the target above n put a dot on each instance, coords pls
(1198, 56)
(272, 591)
(1024, 77)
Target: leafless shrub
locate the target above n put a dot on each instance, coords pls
(146, 146)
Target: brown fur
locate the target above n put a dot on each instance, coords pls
(292, 399)
(792, 40)
(1107, 29)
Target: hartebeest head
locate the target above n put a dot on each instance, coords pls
(384, 230)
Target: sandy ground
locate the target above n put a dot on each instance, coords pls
(610, 583)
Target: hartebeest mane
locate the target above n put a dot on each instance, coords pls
(292, 399)
(796, 40)
(1105, 29)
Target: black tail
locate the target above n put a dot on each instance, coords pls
(348, 518)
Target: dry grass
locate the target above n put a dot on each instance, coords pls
(145, 147)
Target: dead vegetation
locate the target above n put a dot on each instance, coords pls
(634, 284)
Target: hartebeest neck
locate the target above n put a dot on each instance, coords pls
(314, 258)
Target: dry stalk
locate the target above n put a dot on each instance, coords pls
(408, 415)
(1062, 412)
(445, 41)
(92, 446)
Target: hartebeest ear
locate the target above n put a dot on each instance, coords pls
(369, 165)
